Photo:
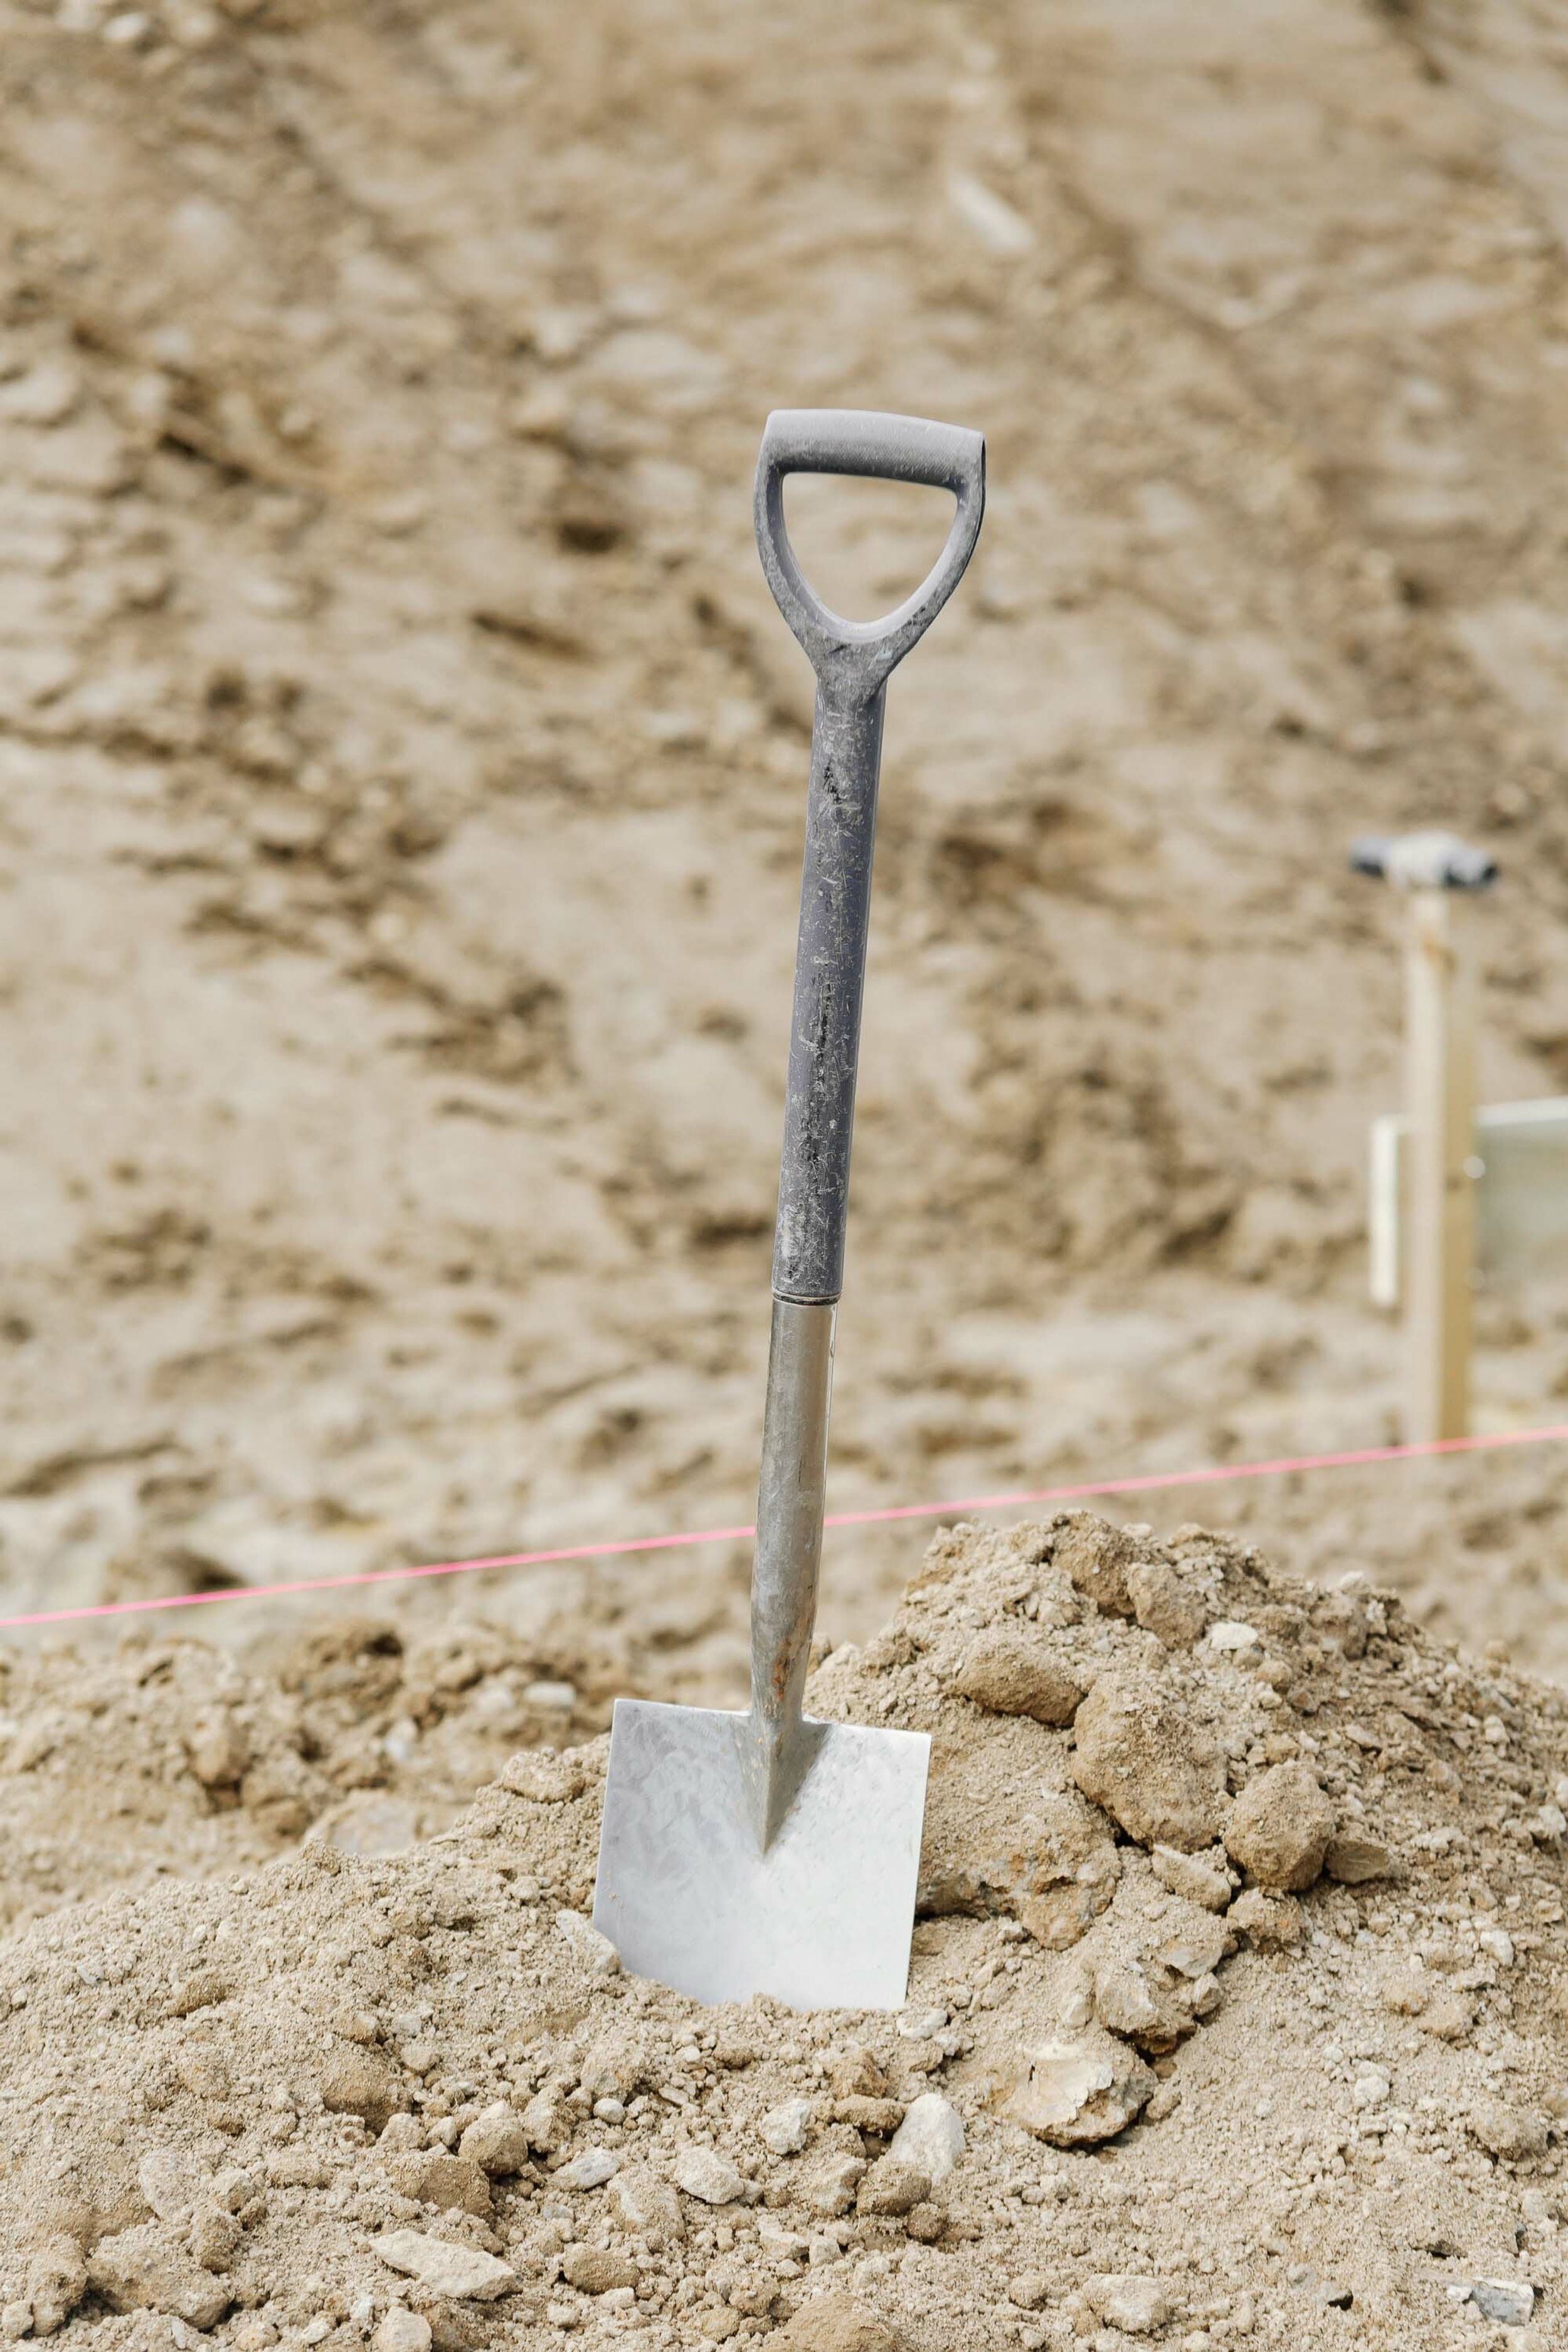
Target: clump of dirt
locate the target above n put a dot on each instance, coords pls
(1231, 2013)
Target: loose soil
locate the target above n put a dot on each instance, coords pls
(1234, 2015)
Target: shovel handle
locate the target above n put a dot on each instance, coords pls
(858, 656)
(852, 661)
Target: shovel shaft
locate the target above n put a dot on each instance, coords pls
(790, 1499)
(829, 985)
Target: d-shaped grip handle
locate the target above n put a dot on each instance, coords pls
(860, 654)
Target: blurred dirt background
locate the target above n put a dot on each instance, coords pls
(403, 773)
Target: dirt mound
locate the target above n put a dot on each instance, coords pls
(1231, 2012)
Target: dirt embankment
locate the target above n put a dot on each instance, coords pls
(404, 767)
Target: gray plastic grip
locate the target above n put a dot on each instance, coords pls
(862, 654)
(852, 661)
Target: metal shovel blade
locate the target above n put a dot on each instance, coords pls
(821, 1920)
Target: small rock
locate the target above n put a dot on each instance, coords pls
(1511, 2303)
(706, 2175)
(1509, 2132)
(1448, 2016)
(1231, 1638)
(1149, 1766)
(1199, 1878)
(1009, 1674)
(830, 2188)
(1194, 1943)
(892, 2187)
(1353, 1859)
(461, 2271)
(1165, 1604)
(1031, 2291)
(543, 1777)
(359, 2081)
(1080, 2091)
(645, 2204)
(218, 1749)
(858, 2075)
(434, 2178)
(547, 2120)
(497, 2141)
(589, 2170)
(1060, 1918)
(1274, 1922)
(931, 2137)
(593, 2271)
(1138, 2307)
(15, 2321)
(57, 2281)
(926, 2223)
(718, 2326)
(214, 2238)
(402, 2330)
(596, 1951)
(139, 2270)
(784, 2128)
(1097, 1557)
(836, 2323)
(1279, 1828)
(205, 1990)
(169, 2182)
(881, 2117)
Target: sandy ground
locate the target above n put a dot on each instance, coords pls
(404, 770)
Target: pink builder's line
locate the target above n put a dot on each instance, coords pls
(1210, 1476)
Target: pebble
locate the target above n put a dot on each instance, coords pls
(57, 2281)
(589, 2170)
(463, 2273)
(1166, 1604)
(497, 2140)
(402, 2330)
(1354, 1860)
(784, 2128)
(1148, 1765)
(1080, 2091)
(359, 2081)
(646, 2203)
(706, 2175)
(1279, 1828)
(1030, 2290)
(1010, 1673)
(1096, 1558)
(835, 2322)
(1200, 1879)
(1507, 2131)
(891, 2187)
(1509, 2301)
(594, 2270)
(1230, 1636)
(595, 1950)
(1138, 2307)
(830, 2188)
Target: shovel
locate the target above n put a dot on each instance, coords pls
(766, 1852)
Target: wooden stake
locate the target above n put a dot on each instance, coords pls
(1440, 1048)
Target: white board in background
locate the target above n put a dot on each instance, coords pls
(1522, 1194)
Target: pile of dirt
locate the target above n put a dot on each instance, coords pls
(1231, 2017)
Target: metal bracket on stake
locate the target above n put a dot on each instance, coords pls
(1437, 874)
